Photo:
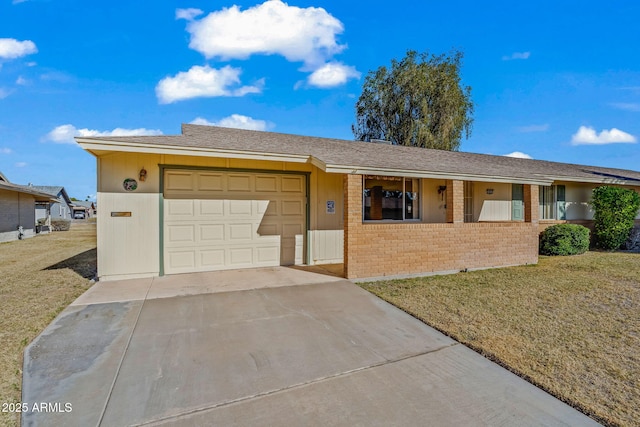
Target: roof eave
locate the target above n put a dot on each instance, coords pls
(359, 170)
(608, 181)
(132, 147)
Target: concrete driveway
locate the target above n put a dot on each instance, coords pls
(274, 346)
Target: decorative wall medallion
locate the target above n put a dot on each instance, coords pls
(130, 184)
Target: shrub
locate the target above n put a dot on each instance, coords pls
(60, 224)
(615, 210)
(564, 239)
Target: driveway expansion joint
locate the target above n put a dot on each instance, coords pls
(124, 353)
(293, 387)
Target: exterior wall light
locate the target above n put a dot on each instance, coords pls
(143, 174)
(489, 190)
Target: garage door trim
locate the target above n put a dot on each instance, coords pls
(164, 167)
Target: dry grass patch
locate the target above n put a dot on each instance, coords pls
(570, 325)
(39, 277)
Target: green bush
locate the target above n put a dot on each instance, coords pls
(615, 210)
(60, 224)
(564, 239)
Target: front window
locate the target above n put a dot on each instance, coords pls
(391, 198)
(552, 202)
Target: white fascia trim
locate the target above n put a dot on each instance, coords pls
(434, 175)
(603, 180)
(90, 145)
(318, 163)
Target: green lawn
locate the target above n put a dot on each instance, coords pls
(39, 277)
(570, 325)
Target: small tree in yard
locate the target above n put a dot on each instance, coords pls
(615, 210)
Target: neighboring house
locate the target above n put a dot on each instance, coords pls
(61, 209)
(17, 209)
(217, 198)
(87, 208)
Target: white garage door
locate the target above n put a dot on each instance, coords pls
(224, 220)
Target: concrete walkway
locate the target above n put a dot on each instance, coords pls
(274, 346)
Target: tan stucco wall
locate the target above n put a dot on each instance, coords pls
(491, 207)
(577, 200)
(433, 204)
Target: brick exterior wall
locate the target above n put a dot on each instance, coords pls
(389, 249)
(455, 201)
(531, 204)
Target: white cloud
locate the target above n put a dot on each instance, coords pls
(518, 155)
(533, 128)
(57, 76)
(587, 136)
(4, 93)
(517, 55)
(204, 82)
(332, 74)
(12, 48)
(305, 35)
(21, 164)
(237, 121)
(64, 134)
(5, 150)
(188, 14)
(21, 81)
(627, 106)
(19, 1)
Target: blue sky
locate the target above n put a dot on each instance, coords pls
(554, 80)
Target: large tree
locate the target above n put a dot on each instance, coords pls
(420, 101)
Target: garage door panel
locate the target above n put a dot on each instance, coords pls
(210, 182)
(233, 220)
(292, 207)
(181, 233)
(239, 207)
(293, 184)
(291, 230)
(268, 230)
(180, 260)
(240, 232)
(241, 256)
(270, 209)
(212, 258)
(267, 255)
(239, 183)
(211, 233)
(211, 207)
(179, 180)
(267, 183)
(183, 208)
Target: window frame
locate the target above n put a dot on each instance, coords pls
(557, 207)
(404, 199)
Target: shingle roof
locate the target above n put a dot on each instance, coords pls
(53, 190)
(85, 204)
(39, 196)
(371, 156)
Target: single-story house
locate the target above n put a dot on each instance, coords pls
(17, 210)
(87, 208)
(217, 198)
(62, 208)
